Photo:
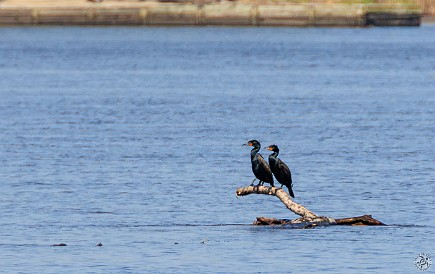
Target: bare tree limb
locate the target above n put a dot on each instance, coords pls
(282, 195)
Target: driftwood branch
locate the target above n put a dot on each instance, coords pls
(282, 195)
(308, 219)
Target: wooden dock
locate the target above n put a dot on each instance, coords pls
(147, 13)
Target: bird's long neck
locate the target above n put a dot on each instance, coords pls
(274, 154)
(254, 151)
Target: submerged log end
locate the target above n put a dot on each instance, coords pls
(359, 220)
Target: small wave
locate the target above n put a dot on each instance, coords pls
(407, 226)
(102, 212)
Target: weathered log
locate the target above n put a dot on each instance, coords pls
(297, 223)
(360, 220)
(270, 221)
(308, 219)
(364, 220)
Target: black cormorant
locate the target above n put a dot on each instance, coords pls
(280, 169)
(259, 166)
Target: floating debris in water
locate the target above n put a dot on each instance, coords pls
(61, 244)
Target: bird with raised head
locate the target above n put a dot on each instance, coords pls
(280, 169)
(260, 168)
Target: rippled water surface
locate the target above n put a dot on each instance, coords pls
(132, 137)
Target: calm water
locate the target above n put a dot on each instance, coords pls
(132, 137)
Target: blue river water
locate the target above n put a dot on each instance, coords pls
(132, 137)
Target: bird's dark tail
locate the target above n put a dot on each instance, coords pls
(290, 191)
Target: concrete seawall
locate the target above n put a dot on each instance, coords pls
(224, 13)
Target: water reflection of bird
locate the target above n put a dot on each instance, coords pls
(280, 169)
(260, 168)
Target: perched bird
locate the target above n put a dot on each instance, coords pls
(280, 169)
(260, 168)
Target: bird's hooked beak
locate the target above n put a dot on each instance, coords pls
(247, 144)
(268, 148)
